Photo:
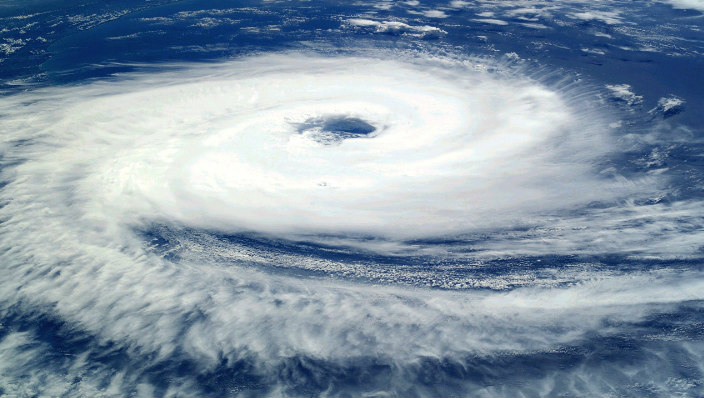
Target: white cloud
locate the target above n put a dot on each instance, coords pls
(533, 25)
(668, 104)
(257, 172)
(622, 92)
(461, 146)
(688, 4)
(596, 51)
(607, 17)
(397, 27)
(435, 14)
(459, 3)
(491, 21)
(11, 45)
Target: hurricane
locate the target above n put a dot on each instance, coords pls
(380, 207)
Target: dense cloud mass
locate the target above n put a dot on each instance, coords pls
(365, 221)
(449, 146)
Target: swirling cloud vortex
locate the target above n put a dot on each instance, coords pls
(292, 145)
(243, 146)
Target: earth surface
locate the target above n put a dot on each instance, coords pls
(352, 198)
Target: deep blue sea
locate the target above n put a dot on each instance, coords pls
(480, 198)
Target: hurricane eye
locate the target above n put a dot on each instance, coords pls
(329, 130)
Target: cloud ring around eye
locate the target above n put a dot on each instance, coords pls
(260, 144)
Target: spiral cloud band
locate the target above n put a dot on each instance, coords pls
(337, 153)
(273, 144)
